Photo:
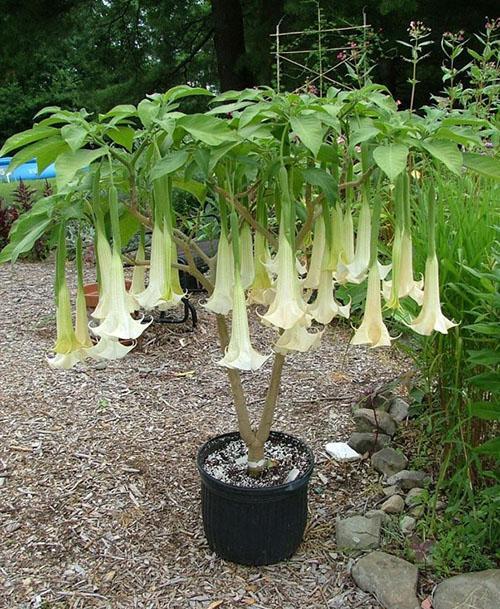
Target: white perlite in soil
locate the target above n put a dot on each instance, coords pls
(286, 462)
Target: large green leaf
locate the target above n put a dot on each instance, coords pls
(491, 447)
(446, 152)
(44, 151)
(27, 137)
(169, 163)
(184, 91)
(489, 381)
(25, 240)
(488, 411)
(325, 181)
(74, 135)
(69, 163)
(391, 159)
(124, 136)
(129, 225)
(310, 131)
(482, 164)
(197, 189)
(207, 129)
(367, 132)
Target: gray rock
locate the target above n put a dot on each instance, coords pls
(358, 533)
(389, 491)
(382, 516)
(371, 420)
(399, 409)
(389, 461)
(392, 580)
(393, 505)
(479, 590)
(368, 442)
(414, 497)
(409, 478)
(381, 401)
(417, 511)
(407, 524)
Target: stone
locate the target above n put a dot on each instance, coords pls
(399, 409)
(358, 533)
(417, 511)
(408, 479)
(371, 420)
(341, 451)
(368, 442)
(414, 497)
(480, 590)
(382, 516)
(391, 490)
(393, 505)
(380, 401)
(407, 524)
(389, 461)
(392, 580)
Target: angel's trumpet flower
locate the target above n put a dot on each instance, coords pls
(430, 317)
(357, 269)
(316, 261)
(110, 348)
(325, 307)
(81, 323)
(348, 237)
(239, 353)
(138, 284)
(261, 291)
(288, 306)
(118, 322)
(372, 330)
(68, 350)
(407, 286)
(297, 338)
(246, 256)
(221, 300)
(104, 261)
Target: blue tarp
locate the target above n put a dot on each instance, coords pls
(26, 171)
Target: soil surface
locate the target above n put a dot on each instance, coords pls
(99, 493)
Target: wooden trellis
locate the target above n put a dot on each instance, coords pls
(322, 73)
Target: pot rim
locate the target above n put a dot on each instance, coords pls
(263, 490)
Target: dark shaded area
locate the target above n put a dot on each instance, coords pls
(95, 54)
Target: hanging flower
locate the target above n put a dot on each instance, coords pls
(262, 291)
(221, 300)
(325, 307)
(372, 330)
(239, 353)
(138, 284)
(357, 269)
(430, 317)
(288, 307)
(118, 322)
(104, 261)
(246, 256)
(316, 260)
(110, 348)
(407, 286)
(68, 350)
(82, 323)
(297, 338)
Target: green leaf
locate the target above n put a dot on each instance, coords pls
(488, 411)
(147, 111)
(482, 164)
(184, 91)
(228, 108)
(129, 225)
(27, 137)
(207, 129)
(74, 135)
(491, 447)
(124, 136)
(363, 134)
(447, 153)
(489, 381)
(325, 181)
(490, 328)
(15, 248)
(43, 151)
(169, 163)
(47, 110)
(216, 154)
(69, 163)
(309, 129)
(485, 357)
(197, 189)
(391, 159)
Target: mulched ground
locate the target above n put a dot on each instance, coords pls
(99, 494)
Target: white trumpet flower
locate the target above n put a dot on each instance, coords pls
(110, 348)
(407, 286)
(316, 260)
(104, 260)
(348, 237)
(288, 306)
(118, 322)
(261, 291)
(372, 330)
(325, 307)
(246, 256)
(68, 351)
(430, 317)
(82, 323)
(138, 284)
(239, 353)
(221, 300)
(356, 270)
(297, 338)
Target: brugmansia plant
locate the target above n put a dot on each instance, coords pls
(301, 185)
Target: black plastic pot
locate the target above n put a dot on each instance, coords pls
(253, 526)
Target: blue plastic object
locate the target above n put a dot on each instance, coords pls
(26, 171)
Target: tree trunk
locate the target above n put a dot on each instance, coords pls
(230, 45)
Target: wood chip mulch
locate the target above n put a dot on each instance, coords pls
(99, 494)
